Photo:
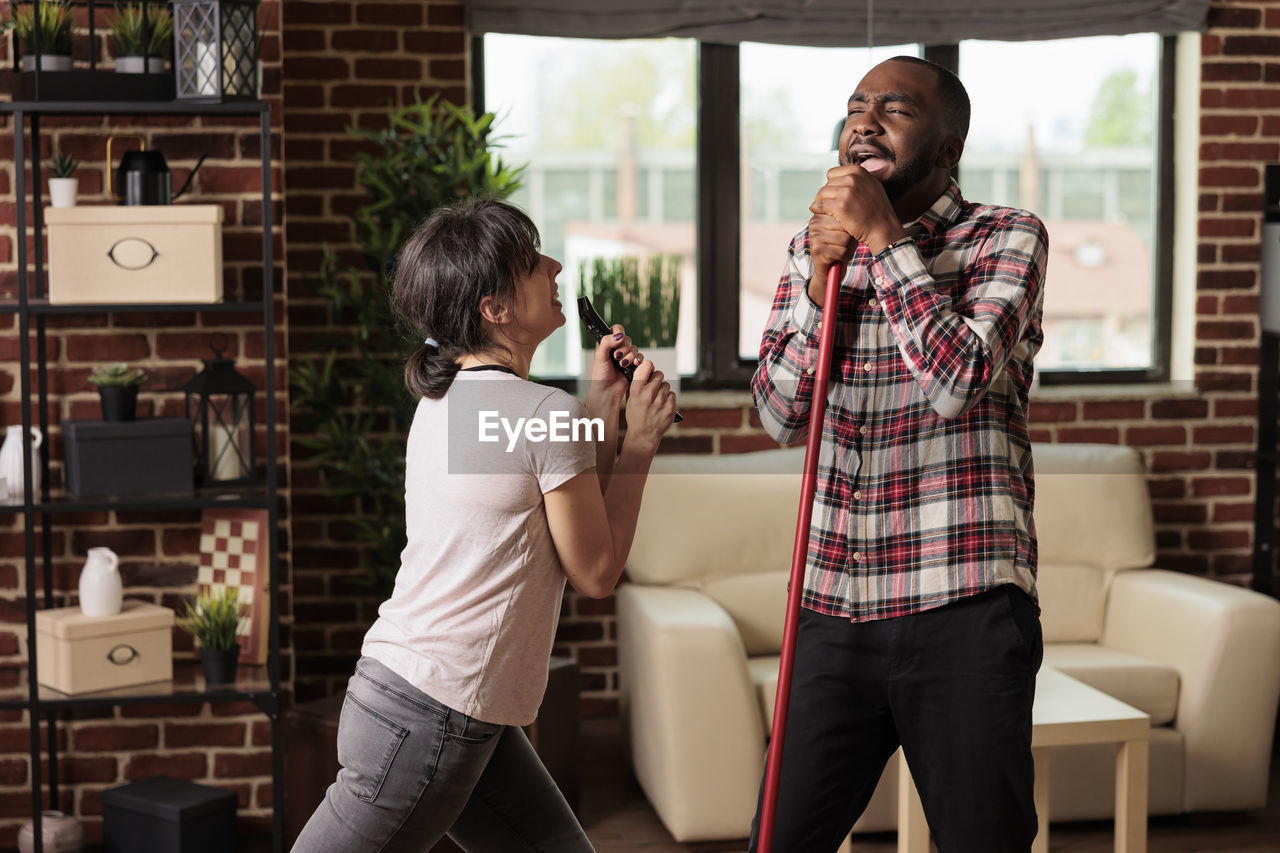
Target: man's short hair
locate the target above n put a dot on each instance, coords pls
(955, 100)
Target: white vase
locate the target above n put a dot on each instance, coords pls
(101, 590)
(48, 62)
(62, 191)
(11, 462)
(60, 833)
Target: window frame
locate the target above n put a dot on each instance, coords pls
(718, 222)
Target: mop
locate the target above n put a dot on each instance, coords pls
(817, 408)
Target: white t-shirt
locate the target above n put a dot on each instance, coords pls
(473, 615)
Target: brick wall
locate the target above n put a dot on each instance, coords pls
(227, 744)
(1197, 441)
(344, 62)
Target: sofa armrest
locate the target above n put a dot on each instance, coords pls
(1225, 643)
(697, 731)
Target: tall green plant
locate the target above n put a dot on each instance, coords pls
(354, 412)
(54, 17)
(643, 296)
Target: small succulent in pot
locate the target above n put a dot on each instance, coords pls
(62, 166)
(212, 620)
(117, 385)
(62, 185)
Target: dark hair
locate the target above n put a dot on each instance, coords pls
(955, 99)
(457, 256)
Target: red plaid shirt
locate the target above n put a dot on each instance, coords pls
(925, 484)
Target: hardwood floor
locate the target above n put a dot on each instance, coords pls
(618, 818)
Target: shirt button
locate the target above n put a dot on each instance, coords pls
(862, 430)
(879, 279)
(868, 367)
(857, 556)
(871, 302)
(857, 496)
(809, 371)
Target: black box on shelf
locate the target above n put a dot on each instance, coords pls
(85, 85)
(166, 815)
(145, 456)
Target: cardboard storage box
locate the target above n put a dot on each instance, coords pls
(135, 253)
(146, 456)
(166, 815)
(79, 654)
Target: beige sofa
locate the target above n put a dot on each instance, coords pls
(700, 626)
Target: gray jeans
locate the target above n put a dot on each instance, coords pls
(414, 770)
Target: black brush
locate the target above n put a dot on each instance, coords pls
(599, 328)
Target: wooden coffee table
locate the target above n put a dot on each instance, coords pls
(1066, 712)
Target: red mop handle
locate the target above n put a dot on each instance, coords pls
(817, 409)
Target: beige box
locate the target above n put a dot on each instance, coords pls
(135, 253)
(78, 654)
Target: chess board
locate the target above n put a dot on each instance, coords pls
(233, 555)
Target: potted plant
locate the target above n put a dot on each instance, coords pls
(118, 390)
(54, 19)
(644, 296)
(142, 34)
(62, 186)
(212, 620)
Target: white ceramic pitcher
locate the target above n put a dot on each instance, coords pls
(11, 461)
(101, 590)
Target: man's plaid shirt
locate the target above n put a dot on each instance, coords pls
(925, 484)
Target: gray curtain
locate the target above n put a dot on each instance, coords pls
(827, 23)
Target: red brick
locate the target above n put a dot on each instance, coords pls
(1166, 460)
(1166, 488)
(1228, 125)
(1251, 46)
(366, 41)
(687, 444)
(1047, 412)
(1208, 305)
(1179, 409)
(1223, 227)
(1164, 513)
(1226, 279)
(448, 69)
(1248, 151)
(435, 43)
(1242, 434)
(1229, 176)
(388, 69)
(445, 15)
(1242, 356)
(76, 769)
(1232, 17)
(1235, 408)
(239, 764)
(1209, 202)
(8, 643)
(1092, 435)
(316, 68)
(113, 347)
(1228, 512)
(1203, 487)
(13, 771)
(1148, 436)
(115, 738)
(1247, 253)
(1207, 380)
(1234, 72)
(1112, 410)
(230, 179)
(1212, 540)
(746, 443)
(177, 736)
(389, 14)
(1207, 253)
(361, 95)
(305, 12)
(711, 418)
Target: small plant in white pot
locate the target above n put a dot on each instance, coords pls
(142, 33)
(213, 620)
(54, 18)
(642, 295)
(62, 185)
(118, 390)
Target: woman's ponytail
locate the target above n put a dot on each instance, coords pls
(429, 372)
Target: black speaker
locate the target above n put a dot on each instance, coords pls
(1270, 280)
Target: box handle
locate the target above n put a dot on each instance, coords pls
(131, 257)
(122, 654)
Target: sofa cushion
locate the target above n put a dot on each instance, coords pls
(1092, 507)
(1072, 602)
(764, 675)
(711, 516)
(757, 603)
(1150, 687)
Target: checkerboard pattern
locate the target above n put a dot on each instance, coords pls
(233, 555)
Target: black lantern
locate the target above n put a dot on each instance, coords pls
(220, 408)
(215, 50)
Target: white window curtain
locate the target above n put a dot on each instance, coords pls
(829, 23)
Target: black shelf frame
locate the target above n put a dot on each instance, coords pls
(32, 303)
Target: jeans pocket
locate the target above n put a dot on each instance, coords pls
(367, 745)
(466, 729)
(1026, 624)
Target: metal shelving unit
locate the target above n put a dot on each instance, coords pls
(32, 304)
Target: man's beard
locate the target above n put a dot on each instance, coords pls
(912, 172)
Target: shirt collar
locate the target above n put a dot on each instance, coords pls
(941, 215)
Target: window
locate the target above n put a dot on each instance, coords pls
(607, 129)
(1072, 136)
(727, 145)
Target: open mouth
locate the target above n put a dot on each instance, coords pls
(871, 160)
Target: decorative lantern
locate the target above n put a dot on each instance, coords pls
(220, 407)
(215, 50)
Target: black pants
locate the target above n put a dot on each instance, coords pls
(953, 686)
